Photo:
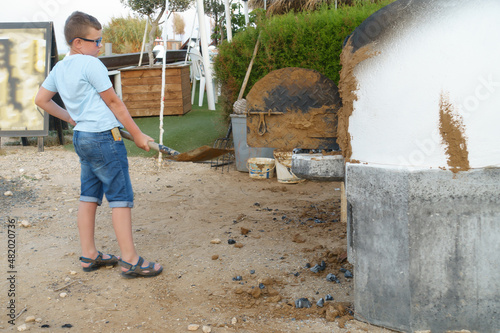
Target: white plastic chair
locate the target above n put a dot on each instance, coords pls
(198, 74)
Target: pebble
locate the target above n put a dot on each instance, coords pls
(231, 241)
(329, 297)
(348, 274)
(302, 303)
(261, 286)
(62, 295)
(215, 241)
(234, 321)
(67, 279)
(30, 319)
(193, 327)
(238, 278)
(25, 224)
(72, 272)
(206, 329)
(319, 268)
(8, 193)
(215, 257)
(252, 271)
(332, 278)
(320, 303)
(22, 328)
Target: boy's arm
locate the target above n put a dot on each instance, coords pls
(44, 100)
(121, 113)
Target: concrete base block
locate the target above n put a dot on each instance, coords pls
(425, 246)
(318, 167)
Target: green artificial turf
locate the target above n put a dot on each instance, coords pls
(182, 133)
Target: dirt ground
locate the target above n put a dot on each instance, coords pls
(180, 211)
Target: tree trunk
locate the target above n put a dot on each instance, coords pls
(152, 35)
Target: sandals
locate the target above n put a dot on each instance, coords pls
(138, 271)
(98, 262)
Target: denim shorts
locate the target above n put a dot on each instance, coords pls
(104, 169)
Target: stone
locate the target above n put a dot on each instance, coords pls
(62, 295)
(234, 321)
(215, 257)
(332, 278)
(22, 328)
(8, 193)
(206, 329)
(302, 303)
(30, 319)
(193, 327)
(25, 224)
(215, 241)
(319, 268)
(320, 303)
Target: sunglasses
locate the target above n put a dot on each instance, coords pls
(96, 41)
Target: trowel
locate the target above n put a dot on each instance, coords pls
(199, 154)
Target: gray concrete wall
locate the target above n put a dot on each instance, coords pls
(425, 246)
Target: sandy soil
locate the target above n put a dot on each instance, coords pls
(180, 209)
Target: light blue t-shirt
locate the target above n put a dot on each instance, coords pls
(79, 79)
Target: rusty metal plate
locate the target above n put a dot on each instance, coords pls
(293, 108)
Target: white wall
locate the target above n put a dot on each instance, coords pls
(454, 50)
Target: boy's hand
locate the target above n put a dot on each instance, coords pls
(142, 140)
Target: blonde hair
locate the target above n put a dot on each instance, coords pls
(78, 24)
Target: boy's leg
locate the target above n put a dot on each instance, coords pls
(122, 223)
(86, 228)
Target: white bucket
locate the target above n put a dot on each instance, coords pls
(260, 167)
(283, 160)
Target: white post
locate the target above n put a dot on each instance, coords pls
(245, 10)
(228, 21)
(162, 102)
(206, 59)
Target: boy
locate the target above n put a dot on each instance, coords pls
(97, 112)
